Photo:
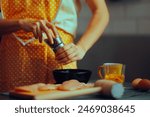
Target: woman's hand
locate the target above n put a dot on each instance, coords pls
(37, 28)
(69, 53)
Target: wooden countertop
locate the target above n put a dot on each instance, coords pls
(129, 94)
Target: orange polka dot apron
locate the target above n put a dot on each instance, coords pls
(32, 62)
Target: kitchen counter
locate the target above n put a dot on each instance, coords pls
(129, 94)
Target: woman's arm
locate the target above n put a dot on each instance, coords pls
(97, 24)
(8, 26)
(36, 27)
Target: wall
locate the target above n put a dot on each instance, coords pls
(127, 17)
(133, 51)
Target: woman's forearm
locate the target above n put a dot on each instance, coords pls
(96, 26)
(8, 26)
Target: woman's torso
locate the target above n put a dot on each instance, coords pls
(22, 65)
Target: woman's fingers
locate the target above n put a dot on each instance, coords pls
(39, 32)
(34, 30)
(47, 31)
(63, 50)
(54, 29)
(66, 53)
(39, 27)
(52, 33)
(68, 59)
(69, 53)
(35, 34)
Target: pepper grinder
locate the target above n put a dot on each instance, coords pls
(57, 43)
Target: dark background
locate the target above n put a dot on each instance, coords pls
(129, 50)
(126, 39)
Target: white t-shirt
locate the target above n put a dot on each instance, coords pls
(66, 17)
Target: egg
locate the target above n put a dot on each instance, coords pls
(135, 82)
(144, 85)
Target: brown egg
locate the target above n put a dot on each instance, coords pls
(144, 85)
(135, 82)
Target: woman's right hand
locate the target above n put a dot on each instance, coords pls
(39, 27)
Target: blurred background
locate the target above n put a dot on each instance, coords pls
(126, 39)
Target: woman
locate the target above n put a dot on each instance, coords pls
(24, 57)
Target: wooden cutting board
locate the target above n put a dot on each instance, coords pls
(54, 94)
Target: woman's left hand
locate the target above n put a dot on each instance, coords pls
(69, 53)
